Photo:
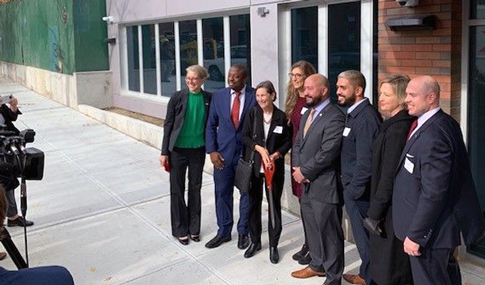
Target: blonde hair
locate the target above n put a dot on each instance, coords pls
(292, 94)
(398, 82)
(199, 70)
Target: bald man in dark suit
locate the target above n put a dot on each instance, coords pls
(434, 197)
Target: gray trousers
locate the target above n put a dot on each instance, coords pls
(323, 224)
(12, 205)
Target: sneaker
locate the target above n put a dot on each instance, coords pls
(19, 221)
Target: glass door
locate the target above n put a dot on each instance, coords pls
(476, 117)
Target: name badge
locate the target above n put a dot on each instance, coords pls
(278, 130)
(346, 131)
(408, 165)
(303, 110)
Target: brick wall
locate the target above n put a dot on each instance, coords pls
(426, 52)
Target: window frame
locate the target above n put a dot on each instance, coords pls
(159, 95)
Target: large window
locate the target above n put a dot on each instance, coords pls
(343, 41)
(149, 61)
(163, 51)
(133, 59)
(241, 42)
(188, 47)
(167, 59)
(213, 51)
(334, 36)
(304, 35)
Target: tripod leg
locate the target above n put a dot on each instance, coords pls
(12, 249)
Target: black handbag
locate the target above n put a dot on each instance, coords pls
(244, 170)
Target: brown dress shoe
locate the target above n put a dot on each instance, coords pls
(354, 279)
(307, 272)
(3, 255)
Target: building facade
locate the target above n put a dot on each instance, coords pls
(150, 43)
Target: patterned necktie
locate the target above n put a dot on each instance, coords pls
(413, 127)
(308, 122)
(235, 110)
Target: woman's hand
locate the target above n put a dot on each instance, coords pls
(163, 159)
(275, 156)
(264, 155)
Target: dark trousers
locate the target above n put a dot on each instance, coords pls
(12, 205)
(224, 191)
(325, 237)
(357, 211)
(185, 218)
(435, 266)
(256, 198)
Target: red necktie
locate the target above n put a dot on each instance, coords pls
(235, 110)
(413, 127)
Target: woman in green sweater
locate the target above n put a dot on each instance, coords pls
(183, 148)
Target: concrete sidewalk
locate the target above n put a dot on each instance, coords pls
(102, 211)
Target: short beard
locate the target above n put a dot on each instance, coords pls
(348, 101)
(316, 102)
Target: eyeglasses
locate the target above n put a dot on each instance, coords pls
(297, 75)
(192, 78)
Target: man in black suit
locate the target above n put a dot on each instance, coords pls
(434, 194)
(316, 157)
(361, 128)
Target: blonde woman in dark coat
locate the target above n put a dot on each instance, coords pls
(389, 264)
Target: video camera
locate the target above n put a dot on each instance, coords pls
(18, 161)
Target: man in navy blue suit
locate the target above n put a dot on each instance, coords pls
(223, 142)
(434, 197)
(361, 128)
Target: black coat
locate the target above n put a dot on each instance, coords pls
(9, 117)
(174, 120)
(389, 264)
(279, 141)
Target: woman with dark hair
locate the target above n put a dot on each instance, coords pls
(389, 265)
(183, 148)
(295, 108)
(269, 141)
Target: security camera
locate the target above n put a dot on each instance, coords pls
(408, 3)
(108, 19)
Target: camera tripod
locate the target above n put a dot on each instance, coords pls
(12, 250)
(5, 237)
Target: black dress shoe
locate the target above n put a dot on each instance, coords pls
(183, 240)
(274, 255)
(195, 238)
(243, 241)
(303, 251)
(252, 249)
(217, 241)
(305, 259)
(19, 221)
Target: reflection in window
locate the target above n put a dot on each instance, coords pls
(167, 58)
(213, 38)
(343, 41)
(149, 61)
(304, 35)
(476, 105)
(477, 9)
(133, 60)
(188, 47)
(240, 41)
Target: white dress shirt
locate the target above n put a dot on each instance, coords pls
(423, 118)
